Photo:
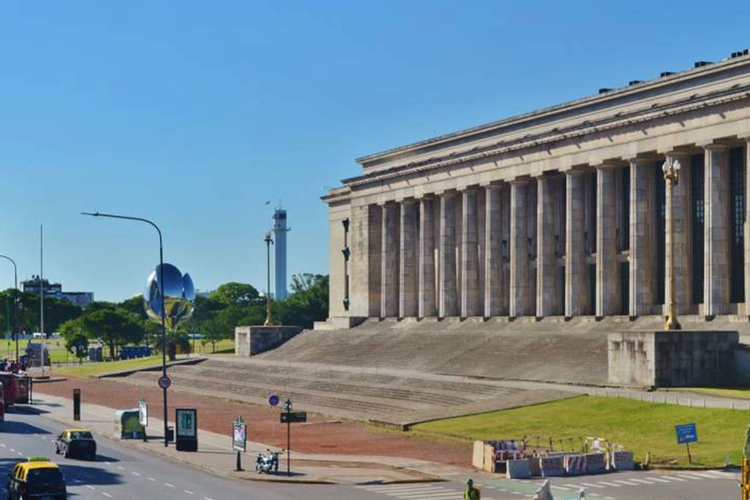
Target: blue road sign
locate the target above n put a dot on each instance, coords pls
(273, 400)
(686, 433)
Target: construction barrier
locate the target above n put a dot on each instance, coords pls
(596, 463)
(518, 469)
(621, 460)
(575, 465)
(552, 466)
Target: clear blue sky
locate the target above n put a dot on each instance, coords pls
(196, 113)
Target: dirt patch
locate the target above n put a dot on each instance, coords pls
(320, 435)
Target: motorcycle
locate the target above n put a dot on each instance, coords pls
(267, 463)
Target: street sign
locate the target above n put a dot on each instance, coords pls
(273, 400)
(686, 433)
(239, 435)
(294, 417)
(164, 382)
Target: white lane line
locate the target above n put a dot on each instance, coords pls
(136, 473)
(673, 478)
(169, 485)
(90, 487)
(152, 479)
(12, 450)
(591, 485)
(189, 492)
(613, 485)
(106, 494)
(207, 498)
(689, 477)
(703, 475)
(108, 463)
(620, 481)
(642, 481)
(441, 493)
(659, 480)
(121, 467)
(398, 487)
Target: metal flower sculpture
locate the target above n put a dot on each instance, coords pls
(179, 296)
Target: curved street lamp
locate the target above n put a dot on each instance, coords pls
(163, 318)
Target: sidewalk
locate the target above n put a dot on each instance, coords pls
(215, 454)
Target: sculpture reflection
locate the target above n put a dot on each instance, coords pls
(179, 296)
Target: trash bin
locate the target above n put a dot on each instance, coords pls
(170, 434)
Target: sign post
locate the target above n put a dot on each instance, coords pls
(77, 404)
(239, 440)
(186, 438)
(289, 417)
(686, 434)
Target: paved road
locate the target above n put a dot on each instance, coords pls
(121, 472)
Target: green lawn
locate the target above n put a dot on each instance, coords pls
(56, 349)
(89, 369)
(641, 427)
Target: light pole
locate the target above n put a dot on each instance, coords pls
(163, 310)
(269, 242)
(671, 170)
(15, 314)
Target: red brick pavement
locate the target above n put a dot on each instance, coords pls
(216, 415)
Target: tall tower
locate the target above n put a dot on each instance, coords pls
(280, 229)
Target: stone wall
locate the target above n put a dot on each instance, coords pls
(672, 358)
(252, 340)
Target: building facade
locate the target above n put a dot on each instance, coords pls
(559, 212)
(55, 291)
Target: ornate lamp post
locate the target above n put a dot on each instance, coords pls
(269, 242)
(671, 170)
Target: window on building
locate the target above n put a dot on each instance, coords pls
(592, 289)
(697, 223)
(737, 220)
(624, 287)
(623, 240)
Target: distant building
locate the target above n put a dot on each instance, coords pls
(55, 291)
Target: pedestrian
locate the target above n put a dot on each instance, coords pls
(471, 493)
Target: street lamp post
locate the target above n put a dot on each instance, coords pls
(15, 314)
(163, 310)
(671, 170)
(269, 242)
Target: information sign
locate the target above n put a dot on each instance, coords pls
(686, 433)
(239, 435)
(293, 417)
(187, 429)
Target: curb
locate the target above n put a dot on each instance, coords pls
(283, 481)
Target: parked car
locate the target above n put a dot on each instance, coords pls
(76, 443)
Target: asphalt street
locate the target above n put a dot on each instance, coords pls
(121, 472)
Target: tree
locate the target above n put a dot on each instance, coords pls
(76, 341)
(113, 326)
(236, 294)
(308, 302)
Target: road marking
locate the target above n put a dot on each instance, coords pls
(689, 477)
(90, 487)
(659, 480)
(590, 485)
(136, 473)
(673, 478)
(12, 450)
(613, 485)
(106, 494)
(207, 498)
(189, 492)
(642, 481)
(121, 467)
(703, 475)
(170, 485)
(620, 481)
(151, 479)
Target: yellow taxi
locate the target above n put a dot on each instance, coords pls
(36, 478)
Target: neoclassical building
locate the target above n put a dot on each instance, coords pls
(559, 212)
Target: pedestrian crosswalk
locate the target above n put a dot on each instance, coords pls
(596, 487)
(422, 491)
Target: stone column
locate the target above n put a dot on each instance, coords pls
(470, 305)
(447, 300)
(519, 250)
(642, 236)
(546, 260)
(747, 227)
(716, 240)
(493, 261)
(576, 269)
(409, 231)
(390, 262)
(607, 272)
(427, 304)
(681, 227)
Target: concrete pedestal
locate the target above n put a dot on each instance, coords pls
(252, 340)
(672, 358)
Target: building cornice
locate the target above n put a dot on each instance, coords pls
(550, 137)
(665, 82)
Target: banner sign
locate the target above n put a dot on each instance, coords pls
(239, 435)
(293, 417)
(686, 433)
(186, 422)
(143, 412)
